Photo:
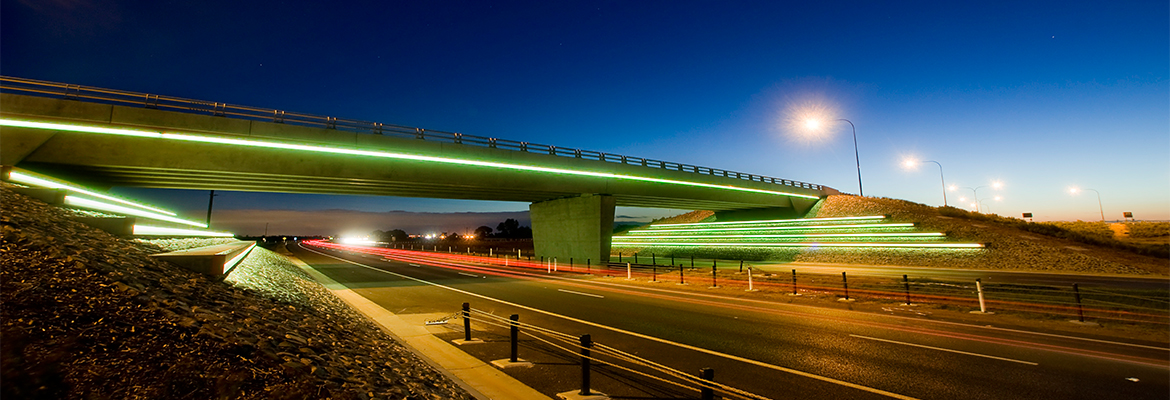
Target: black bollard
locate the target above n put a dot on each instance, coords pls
(706, 393)
(466, 322)
(653, 259)
(1080, 311)
(515, 335)
(654, 277)
(845, 282)
(681, 280)
(906, 280)
(635, 257)
(586, 343)
(713, 283)
(794, 281)
(741, 266)
(692, 262)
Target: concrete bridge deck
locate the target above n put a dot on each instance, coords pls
(91, 135)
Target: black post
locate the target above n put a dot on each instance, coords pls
(672, 259)
(619, 257)
(653, 259)
(466, 322)
(570, 263)
(588, 267)
(906, 280)
(741, 266)
(845, 282)
(713, 283)
(706, 393)
(794, 281)
(586, 343)
(692, 262)
(1080, 311)
(681, 280)
(635, 257)
(515, 335)
(654, 276)
(210, 201)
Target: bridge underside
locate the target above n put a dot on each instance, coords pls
(163, 178)
(204, 152)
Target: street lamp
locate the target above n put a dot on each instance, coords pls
(911, 163)
(996, 198)
(1074, 190)
(815, 124)
(975, 192)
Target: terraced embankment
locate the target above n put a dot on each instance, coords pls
(1008, 247)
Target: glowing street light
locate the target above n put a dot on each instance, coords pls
(912, 163)
(975, 192)
(1074, 191)
(814, 124)
(988, 210)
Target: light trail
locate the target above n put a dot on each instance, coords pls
(722, 302)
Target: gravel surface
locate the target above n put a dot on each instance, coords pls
(87, 315)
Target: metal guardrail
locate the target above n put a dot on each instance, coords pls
(120, 97)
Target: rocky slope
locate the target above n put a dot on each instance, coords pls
(87, 315)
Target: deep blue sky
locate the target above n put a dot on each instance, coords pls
(1040, 95)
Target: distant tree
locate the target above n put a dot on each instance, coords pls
(393, 235)
(483, 232)
(397, 235)
(511, 228)
(508, 227)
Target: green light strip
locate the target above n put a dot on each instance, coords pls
(33, 179)
(806, 244)
(368, 153)
(239, 257)
(147, 230)
(116, 209)
(773, 221)
(778, 228)
(810, 235)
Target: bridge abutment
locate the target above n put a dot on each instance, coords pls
(579, 228)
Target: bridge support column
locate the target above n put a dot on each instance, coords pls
(577, 227)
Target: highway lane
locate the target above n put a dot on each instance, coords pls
(893, 355)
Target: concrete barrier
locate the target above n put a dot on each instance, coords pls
(215, 261)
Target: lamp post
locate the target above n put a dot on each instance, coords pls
(975, 192)
(988, 210)
(912, 163)
(1099, 207)
(816, 124)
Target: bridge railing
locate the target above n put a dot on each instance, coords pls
(121, 97)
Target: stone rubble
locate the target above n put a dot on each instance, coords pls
(86, 315)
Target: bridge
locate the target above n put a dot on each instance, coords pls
(107, 138)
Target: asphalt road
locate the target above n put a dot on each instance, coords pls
(774, 350)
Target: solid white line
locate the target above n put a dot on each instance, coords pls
(583, 294)
(638, 335)
(467, 274)
(942, 349)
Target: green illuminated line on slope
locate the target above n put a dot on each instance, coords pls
(116, 209)
(773, 221)
(239, 257)
(810, 235)
(777, 228)
(813, 244)
(147, 230)
(33, 179)
(370, 153)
